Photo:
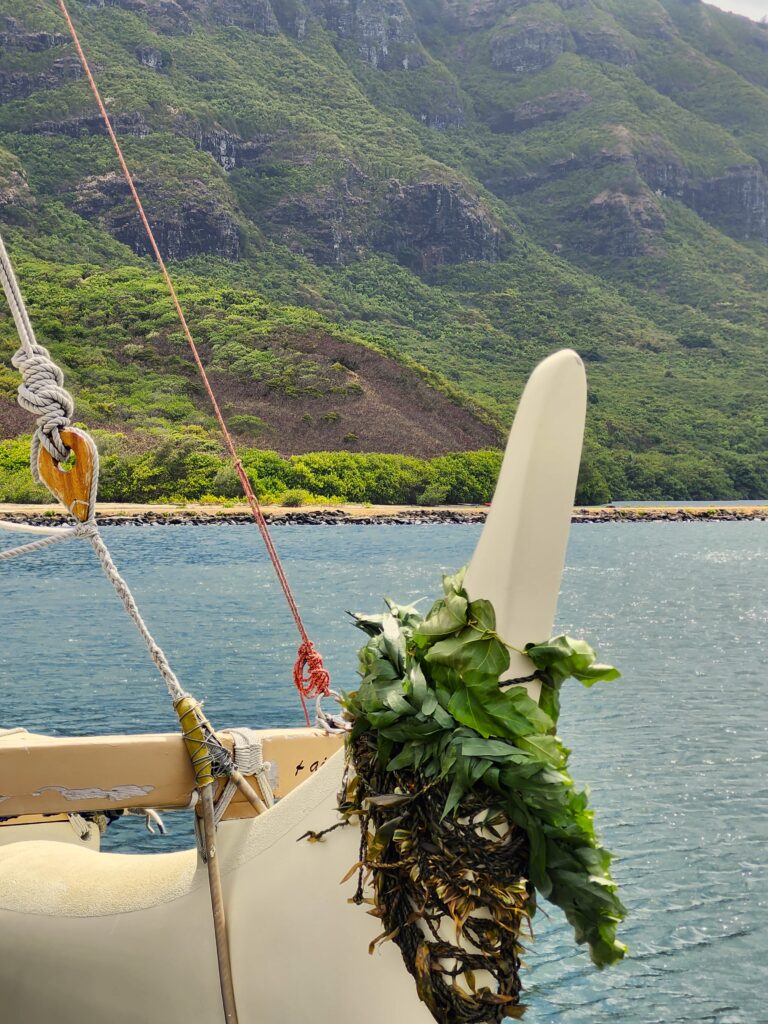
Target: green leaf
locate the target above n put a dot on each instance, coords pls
(467, 706)
(471, 654)
(493, 750)
(455, 584)
(483, 615)
(548, 749)
(447, 617)
(563, 656)
(419, 688)
(429, 705)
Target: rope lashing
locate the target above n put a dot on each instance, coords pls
(42, 390)
(248, 755)
(317, 679)
(42, 393)
(210, 759)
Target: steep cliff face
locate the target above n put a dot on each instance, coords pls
(623, 225)
(736, 202)
(423, 225)
(382, 31)
(196, 224)
(177, 17)
(427, 224)
(166, 16)
(18, 85)
(534, 113)
(524, 47)
(14, 36)
(91, 124)
(605, 44)
(254, 15)
(526, 44)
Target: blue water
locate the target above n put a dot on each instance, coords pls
(675, 753)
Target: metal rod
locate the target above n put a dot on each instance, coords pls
(217, 905)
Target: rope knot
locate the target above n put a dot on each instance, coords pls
(42, 393)
(310, 677)
(86, 529)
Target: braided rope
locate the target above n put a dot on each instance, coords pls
(42, 393)
(37, 545)
(42, 390)
(175, 689)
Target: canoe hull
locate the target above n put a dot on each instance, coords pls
(133, 933)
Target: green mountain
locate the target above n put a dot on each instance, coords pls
(382, 213)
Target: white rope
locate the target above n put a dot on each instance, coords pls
(16, 302)
(248, 755)
(43, 393)
(45, 542)
(80, 826)
(332, 725)
(156, 653)
(42, 390)
(27, 528)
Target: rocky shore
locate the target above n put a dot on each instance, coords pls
(358, 515)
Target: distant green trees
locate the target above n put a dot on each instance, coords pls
(189, 466)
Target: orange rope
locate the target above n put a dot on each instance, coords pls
(310, 677)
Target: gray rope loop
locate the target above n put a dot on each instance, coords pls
(42, 393)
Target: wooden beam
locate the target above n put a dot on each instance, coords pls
(54, 775)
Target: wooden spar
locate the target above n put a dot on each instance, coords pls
(217, 906)
(196, 729)
(55, 775)
(250, 794)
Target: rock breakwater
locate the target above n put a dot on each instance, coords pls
(163, 516)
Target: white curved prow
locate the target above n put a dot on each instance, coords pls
(519, 558)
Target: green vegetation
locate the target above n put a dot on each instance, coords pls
(190, 467)
(430, 692)
(458, 218)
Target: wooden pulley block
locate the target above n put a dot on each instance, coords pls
(73, 484)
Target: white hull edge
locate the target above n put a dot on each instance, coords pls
(128, 938)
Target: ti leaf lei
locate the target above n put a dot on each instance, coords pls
(431, 693)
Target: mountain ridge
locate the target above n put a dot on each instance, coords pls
(466, 184)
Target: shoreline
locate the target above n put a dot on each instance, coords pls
(192, 514)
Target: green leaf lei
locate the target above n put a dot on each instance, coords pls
(430, 692)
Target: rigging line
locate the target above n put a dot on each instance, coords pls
(16, 301)
(309, 659)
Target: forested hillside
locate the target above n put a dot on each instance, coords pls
(381, 214)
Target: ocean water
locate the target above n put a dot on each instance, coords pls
(675, 753)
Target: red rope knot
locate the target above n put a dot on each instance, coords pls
(310, 677)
